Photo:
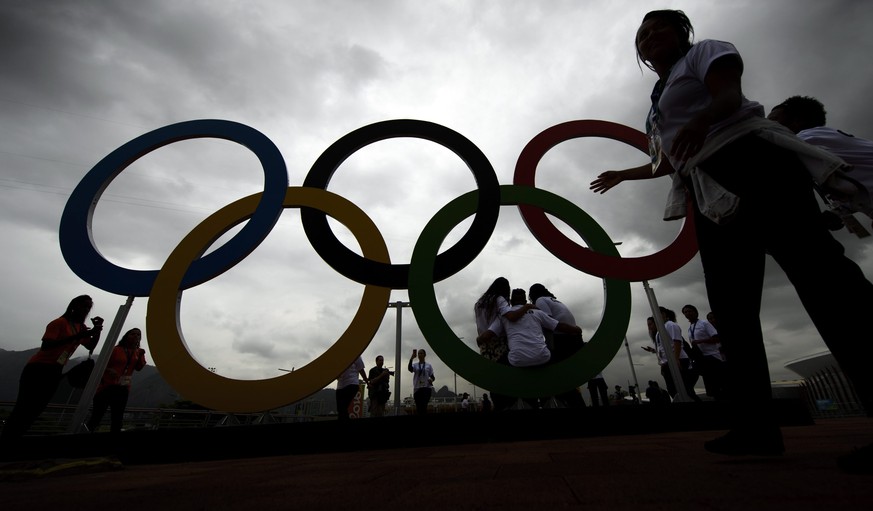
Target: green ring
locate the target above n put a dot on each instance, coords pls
(515, 381)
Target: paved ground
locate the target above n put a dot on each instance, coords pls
(664, 470)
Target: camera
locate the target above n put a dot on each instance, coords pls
(97, 321)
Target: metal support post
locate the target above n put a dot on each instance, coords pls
(681, 394)
(397, 372)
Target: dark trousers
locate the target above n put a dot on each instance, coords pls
(712, 370)
(113, 397)
(36, 386)
(689, 378)
(778, 215)
(422, 398)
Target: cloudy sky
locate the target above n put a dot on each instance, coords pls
(83, 78)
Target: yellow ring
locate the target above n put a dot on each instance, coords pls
(195, 382)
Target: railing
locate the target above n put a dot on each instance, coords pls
(56, 418)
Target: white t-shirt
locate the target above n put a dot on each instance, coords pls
(527, 344)
(483, 320)
(702, 330)
(422, 373)
(556, 309)
(675, 332)
(855, 151)
(350, 375)
(685, 94)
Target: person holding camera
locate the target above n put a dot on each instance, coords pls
(114, 388)
(43, 372)
(379, 387)
(422, 381)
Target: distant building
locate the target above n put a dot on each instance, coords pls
(825, 388)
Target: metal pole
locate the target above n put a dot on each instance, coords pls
(99, 367)
(631, 360)
(681, 395)
(397, 372)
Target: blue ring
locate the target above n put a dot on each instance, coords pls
(86, 261)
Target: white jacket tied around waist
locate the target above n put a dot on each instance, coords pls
(718, 204)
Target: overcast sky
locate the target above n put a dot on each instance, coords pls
(81, 79)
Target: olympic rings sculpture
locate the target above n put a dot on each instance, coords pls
(187, 266)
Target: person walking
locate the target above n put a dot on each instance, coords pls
(751, 183)
(704, 336)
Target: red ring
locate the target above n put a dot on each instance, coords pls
(671, 258)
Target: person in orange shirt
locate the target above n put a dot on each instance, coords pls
(114, 388)
(43, 372)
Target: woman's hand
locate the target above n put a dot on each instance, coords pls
(606, 180)
(610, 178)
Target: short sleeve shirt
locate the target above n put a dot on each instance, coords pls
(685, 93)
(675, 332)
(556, 309)
(702, 330)
(350, 375)
(58, 329)
(527, 345)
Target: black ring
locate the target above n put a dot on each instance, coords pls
(396, 276)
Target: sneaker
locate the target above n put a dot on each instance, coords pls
(766, 442)
(859, 461)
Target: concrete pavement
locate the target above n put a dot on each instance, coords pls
(592, 470)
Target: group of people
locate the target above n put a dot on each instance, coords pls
(377, 380)
(379, 387)
(753, 183)
(700, 355)
(44, 371)
(514, 331)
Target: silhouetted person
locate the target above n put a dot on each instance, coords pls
(380, 387)
(348, 386)
(806, 117)
(751, 185)
(486, 403)
(43, 372)
(422, 381)
(656, 395)
(114, 387)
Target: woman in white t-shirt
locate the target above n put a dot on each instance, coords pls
(422, 380)
(751, 185)
(492, 305)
